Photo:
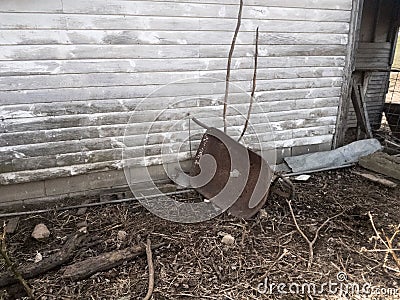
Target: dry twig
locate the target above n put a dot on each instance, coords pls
(228, 68)
(17, 274)
(151, 270)
(310, 243)
(253, 90)
(49, 263)
(388, 243)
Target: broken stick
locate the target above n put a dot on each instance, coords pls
(17, 274)
(228, 67)
(86, 268)
(151, 270)
(50, 263)
(253, 90)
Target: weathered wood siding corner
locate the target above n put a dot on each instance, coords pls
(72, 71)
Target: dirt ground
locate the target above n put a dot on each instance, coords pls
(195, 264)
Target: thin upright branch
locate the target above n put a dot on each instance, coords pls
(17, 274)
(151, 270)
(253, 90)
(228, 68)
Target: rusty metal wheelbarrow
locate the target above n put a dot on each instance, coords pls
(228, 174)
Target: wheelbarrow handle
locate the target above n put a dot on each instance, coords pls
(200, 123)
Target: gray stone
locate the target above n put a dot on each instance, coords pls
(40, 232)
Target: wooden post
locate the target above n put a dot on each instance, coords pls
(357, 97)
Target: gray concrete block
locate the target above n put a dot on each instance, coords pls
(109, 179)
(16, 192)
(299, 150)
(66, 185)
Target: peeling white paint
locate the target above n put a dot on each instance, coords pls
(18, 154)
(151, 38)
(117, 144)
(222, 12)
(118, 165)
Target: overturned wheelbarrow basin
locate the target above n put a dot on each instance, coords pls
(231, 176)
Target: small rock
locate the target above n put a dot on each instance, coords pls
(12, 225)
(263, 214)
(228, 240)
(122, 235)
(83, 230)
(40, 232)
(38, 257)
(234, 174)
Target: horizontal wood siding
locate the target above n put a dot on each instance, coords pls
(71, 73)
(373, 56)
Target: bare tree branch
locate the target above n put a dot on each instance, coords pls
(228, 68)
(151, 270)
(253, 90)
(17, 274)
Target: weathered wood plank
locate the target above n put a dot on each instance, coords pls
(33, 52)
(191, 37)
(377, 45)
(181, 89)
(144, 23)
(324, 4)
(10, 83)
(59, 52)
(67, 121)
(30, 6)
(309, 35)
(159, 65)
(118, 105)
(148, 8)
(54, 6)
(43, 174)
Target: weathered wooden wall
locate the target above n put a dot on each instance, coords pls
(374, 55)
(71, 72)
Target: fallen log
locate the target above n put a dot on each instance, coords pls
(47, 264)
(86, 268)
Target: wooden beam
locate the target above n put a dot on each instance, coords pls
(357, 97)
(341, 125)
